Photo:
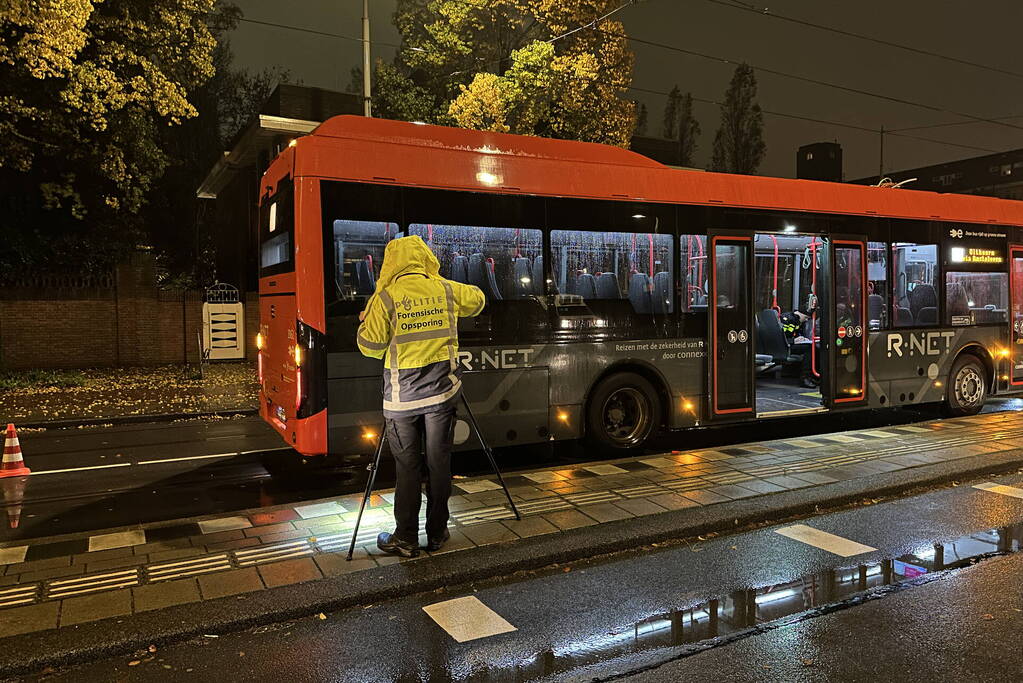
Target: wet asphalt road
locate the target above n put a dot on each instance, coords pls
(639, 614)
(106, 477)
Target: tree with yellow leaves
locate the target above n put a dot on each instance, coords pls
(87, 89)
(534, 67)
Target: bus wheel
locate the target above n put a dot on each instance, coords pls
(622, 412)
(967, 387)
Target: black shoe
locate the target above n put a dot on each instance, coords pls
(392, 545)
(436, 544)
(809, 383)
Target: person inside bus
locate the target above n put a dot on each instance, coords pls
(411, 322)
(794, 325)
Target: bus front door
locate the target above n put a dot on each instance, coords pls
(730, 334)
(846, 326)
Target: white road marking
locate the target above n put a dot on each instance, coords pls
(477, 486)
(68, 592)
(265, 450)
(120, 539)
(209, 526)
(659, 463)
(20, 590)
(1000, 488)
(823, 540)
(190, 457)
(605, 469)
(13, 555)
(36, 473)
(319, 509)
(467, 619)
(543, 477)
(841, 438)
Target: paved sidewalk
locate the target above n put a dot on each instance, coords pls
(73, 580)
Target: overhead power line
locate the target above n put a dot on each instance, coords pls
(767, 12)
(779, 114)
(826, 84)
(826, 122)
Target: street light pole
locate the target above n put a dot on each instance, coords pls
(367, 101)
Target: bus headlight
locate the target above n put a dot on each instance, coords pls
(259, 341)
(298, 355)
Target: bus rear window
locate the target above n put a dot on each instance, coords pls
(276, 232)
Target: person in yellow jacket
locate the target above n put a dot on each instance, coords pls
(411, 321)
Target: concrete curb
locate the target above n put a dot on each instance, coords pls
(133, 419)
(123, 635)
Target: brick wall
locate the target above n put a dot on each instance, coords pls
(130, 323)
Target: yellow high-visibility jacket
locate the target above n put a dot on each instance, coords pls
(412, 323)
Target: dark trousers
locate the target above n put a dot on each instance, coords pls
(404, 436)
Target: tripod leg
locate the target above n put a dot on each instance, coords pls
(490, 455)
(374, 466)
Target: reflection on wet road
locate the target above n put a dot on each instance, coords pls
(609, 617)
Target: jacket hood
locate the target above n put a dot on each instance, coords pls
(407, 255)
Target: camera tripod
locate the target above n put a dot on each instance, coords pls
(375, 465)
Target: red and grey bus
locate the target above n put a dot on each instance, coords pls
(623, 295)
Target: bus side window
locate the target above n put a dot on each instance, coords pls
(976, 298)
(358, 252)
(693, 272)
(506, 263)
(915, 282)
(877, 285)
(621, 272)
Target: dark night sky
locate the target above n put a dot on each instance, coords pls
(947, 27)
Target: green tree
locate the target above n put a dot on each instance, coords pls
(492, 65)
(688, 131)
(88, 89)
(641, 119)
(670, 127)
(739, 143)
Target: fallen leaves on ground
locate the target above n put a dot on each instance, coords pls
(109, 392)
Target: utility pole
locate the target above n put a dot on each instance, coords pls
(880, 164)
(367, 100)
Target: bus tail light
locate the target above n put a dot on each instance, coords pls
(310, 356)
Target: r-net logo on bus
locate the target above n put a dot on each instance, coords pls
(919, 343)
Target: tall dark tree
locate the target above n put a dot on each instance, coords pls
(641, 119)
(739, 143)
(671, 113)
(688, 131)
(173, 217)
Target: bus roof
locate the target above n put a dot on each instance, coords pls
(360, 149)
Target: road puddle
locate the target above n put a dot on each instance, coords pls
(748, 610)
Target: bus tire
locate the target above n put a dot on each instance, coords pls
(967, 386)
(622, 413)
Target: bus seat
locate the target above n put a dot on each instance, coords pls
(607, 286)
(986, 316)
(476, 270)
(660, 297)
(920, 297)
(521, 271)
(771, 339)
(490, 278)
(538, 274)
(927, 316)
(875, 309)
(584, 285)
(903, 317)
(460, 269)
(639, 292)
(957, 302)
(361, 277)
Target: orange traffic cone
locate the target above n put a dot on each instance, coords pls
(13, 464)
(14, 496)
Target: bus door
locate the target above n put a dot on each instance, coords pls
(1016, 306)
(731, 333)
(847, 325)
